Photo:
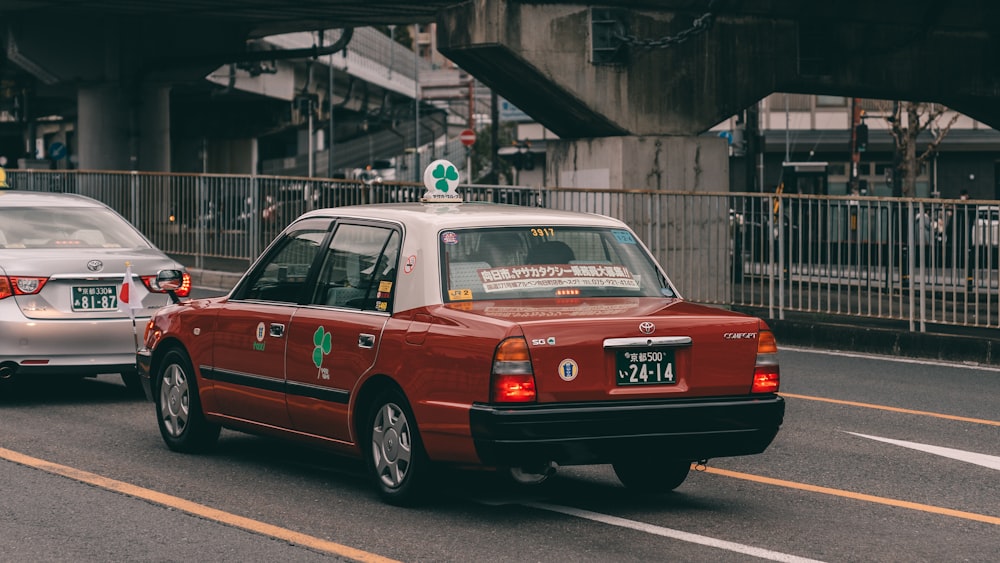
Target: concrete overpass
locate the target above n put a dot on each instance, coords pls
(628, 89)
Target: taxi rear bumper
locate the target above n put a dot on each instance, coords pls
(586, 433)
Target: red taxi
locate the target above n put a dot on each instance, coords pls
(468, 334)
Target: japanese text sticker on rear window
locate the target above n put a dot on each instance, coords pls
(449, 237)
(624, 237)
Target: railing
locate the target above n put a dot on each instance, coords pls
(925, 261)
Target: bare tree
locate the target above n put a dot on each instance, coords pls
(907, 120)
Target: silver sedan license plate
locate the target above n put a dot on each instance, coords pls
(645, 367)
(95, 298)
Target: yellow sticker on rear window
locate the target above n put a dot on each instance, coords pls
(460, 294)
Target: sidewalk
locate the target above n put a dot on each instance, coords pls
(849, 334)
(215, 280)
(890, 338)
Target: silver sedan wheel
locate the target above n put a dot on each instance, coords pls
(392, 446)
(175, 400)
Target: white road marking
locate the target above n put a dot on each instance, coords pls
(991, 461)
(937, 363)
(671, 533)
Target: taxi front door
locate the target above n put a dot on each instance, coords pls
(248, 374)
(248, 378)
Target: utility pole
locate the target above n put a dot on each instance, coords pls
(754, 149)
(495, 135)
(417, 173)
(331, 108)
(855, 153)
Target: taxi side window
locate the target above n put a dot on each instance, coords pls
(281, 277)
(359, 268)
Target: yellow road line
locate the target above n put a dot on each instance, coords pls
(893, 409)
(196, 509)
(856, 496)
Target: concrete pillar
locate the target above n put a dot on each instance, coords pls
(675, 163)
(154, 128)
(121, 131)
(673, 225)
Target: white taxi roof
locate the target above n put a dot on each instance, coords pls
(436, 216)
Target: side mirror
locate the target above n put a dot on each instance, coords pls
(170, 281)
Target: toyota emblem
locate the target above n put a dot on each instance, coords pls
(95, 265)
(647, 327)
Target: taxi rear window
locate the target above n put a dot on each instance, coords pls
(546, 261)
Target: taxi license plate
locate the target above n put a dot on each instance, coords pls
(645, 367)
(95, 298)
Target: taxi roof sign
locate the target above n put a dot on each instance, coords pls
(441, 181)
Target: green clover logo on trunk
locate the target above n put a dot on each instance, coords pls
(322, 340)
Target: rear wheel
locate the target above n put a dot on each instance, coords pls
(395, 455)
(652, 476)
(178, 406)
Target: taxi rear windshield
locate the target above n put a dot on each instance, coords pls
(532, 262)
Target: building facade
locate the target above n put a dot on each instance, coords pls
(800, 128)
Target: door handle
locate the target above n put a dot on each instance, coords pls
(366, 341)
(277, 330)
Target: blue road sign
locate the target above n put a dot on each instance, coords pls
(57, 151)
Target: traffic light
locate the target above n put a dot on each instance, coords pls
(861, 137)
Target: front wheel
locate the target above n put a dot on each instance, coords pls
(395, 455)
(178, 406)
(652, 476)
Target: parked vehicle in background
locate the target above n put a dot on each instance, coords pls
(987, 229)
(63, 260)
(986, 235)
(467, 334)
(288, 203)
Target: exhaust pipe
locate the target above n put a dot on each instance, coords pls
(7, 371)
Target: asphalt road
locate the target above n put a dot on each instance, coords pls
(99, 485)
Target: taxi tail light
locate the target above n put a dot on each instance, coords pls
(766, 374)
(20, 285)
(183, 291)
(512, 379)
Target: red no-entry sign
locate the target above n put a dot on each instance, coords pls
(468, 137)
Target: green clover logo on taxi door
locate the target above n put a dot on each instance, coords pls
(323, 341)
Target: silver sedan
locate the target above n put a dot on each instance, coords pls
(64, 309)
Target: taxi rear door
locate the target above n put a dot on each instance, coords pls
(334, 340)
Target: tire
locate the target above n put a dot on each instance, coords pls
(650, 476)
(394, 453)
(178, 406)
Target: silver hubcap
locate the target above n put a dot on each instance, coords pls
(175, 400)
(391, 445)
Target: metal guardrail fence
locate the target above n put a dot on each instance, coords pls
(925, 261)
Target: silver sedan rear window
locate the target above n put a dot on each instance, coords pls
(66, 227)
